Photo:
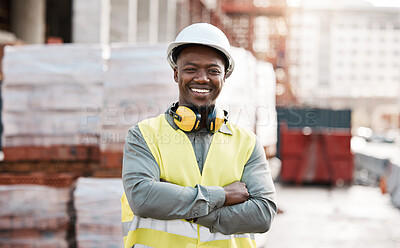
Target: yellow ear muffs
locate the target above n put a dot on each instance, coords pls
(186, 119)
(216, 117)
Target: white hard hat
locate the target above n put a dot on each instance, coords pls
(202, 34)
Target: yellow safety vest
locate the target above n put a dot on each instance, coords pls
(174, 154)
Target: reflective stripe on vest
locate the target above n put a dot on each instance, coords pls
(174, 154)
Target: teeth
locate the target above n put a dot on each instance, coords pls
(201, 90)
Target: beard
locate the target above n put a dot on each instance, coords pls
(202, 109)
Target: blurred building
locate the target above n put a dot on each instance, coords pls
(133, 21)
(345, 54)
(89, 21)
(335, 54)
(259, 26)
(34, 21)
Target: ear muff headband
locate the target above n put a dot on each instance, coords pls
(188, 120)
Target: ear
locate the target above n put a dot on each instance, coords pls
(176, 74)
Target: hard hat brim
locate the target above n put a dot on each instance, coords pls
(174, 45)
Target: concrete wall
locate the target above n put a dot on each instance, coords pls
(119, 21)
(86, 23)
(28, 20)
(134, 21)
(167, 21)
(143, 21)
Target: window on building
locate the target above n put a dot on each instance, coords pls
(5, 15)
(59, 20)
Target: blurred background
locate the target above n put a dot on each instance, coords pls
(318, 81)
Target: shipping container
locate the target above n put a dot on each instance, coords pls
(314, 145)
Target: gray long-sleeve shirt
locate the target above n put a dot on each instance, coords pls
(149, 197)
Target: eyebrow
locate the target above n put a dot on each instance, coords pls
(194, 64)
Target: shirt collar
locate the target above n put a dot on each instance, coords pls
(224, 128)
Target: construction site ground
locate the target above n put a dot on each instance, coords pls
(332, 217)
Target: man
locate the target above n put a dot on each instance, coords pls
(191, 178)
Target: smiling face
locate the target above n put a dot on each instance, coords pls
(200, 75)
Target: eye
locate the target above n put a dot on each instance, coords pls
(189, 69)
(214, 71)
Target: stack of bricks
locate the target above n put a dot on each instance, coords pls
(35, 216)
(57, 180)
(138, 84)
(55, 153)
(51, 96)
(81, 160)
(98, 212)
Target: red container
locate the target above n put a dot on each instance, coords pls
(316, 156)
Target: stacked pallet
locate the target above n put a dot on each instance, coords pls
(52, 95)
(34, 216)
(237, 96)
(54, 153)
(138, 85)
(98, 213)
(266, 122)
(249, 96)
(57, 180)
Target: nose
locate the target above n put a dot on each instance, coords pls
(201, 77)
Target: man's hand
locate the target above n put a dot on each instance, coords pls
(235, 193)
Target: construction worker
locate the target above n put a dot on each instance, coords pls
(192, 178)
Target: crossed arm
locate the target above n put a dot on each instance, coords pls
(241, 207)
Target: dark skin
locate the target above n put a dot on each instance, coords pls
(235, 193)
(200, 75)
